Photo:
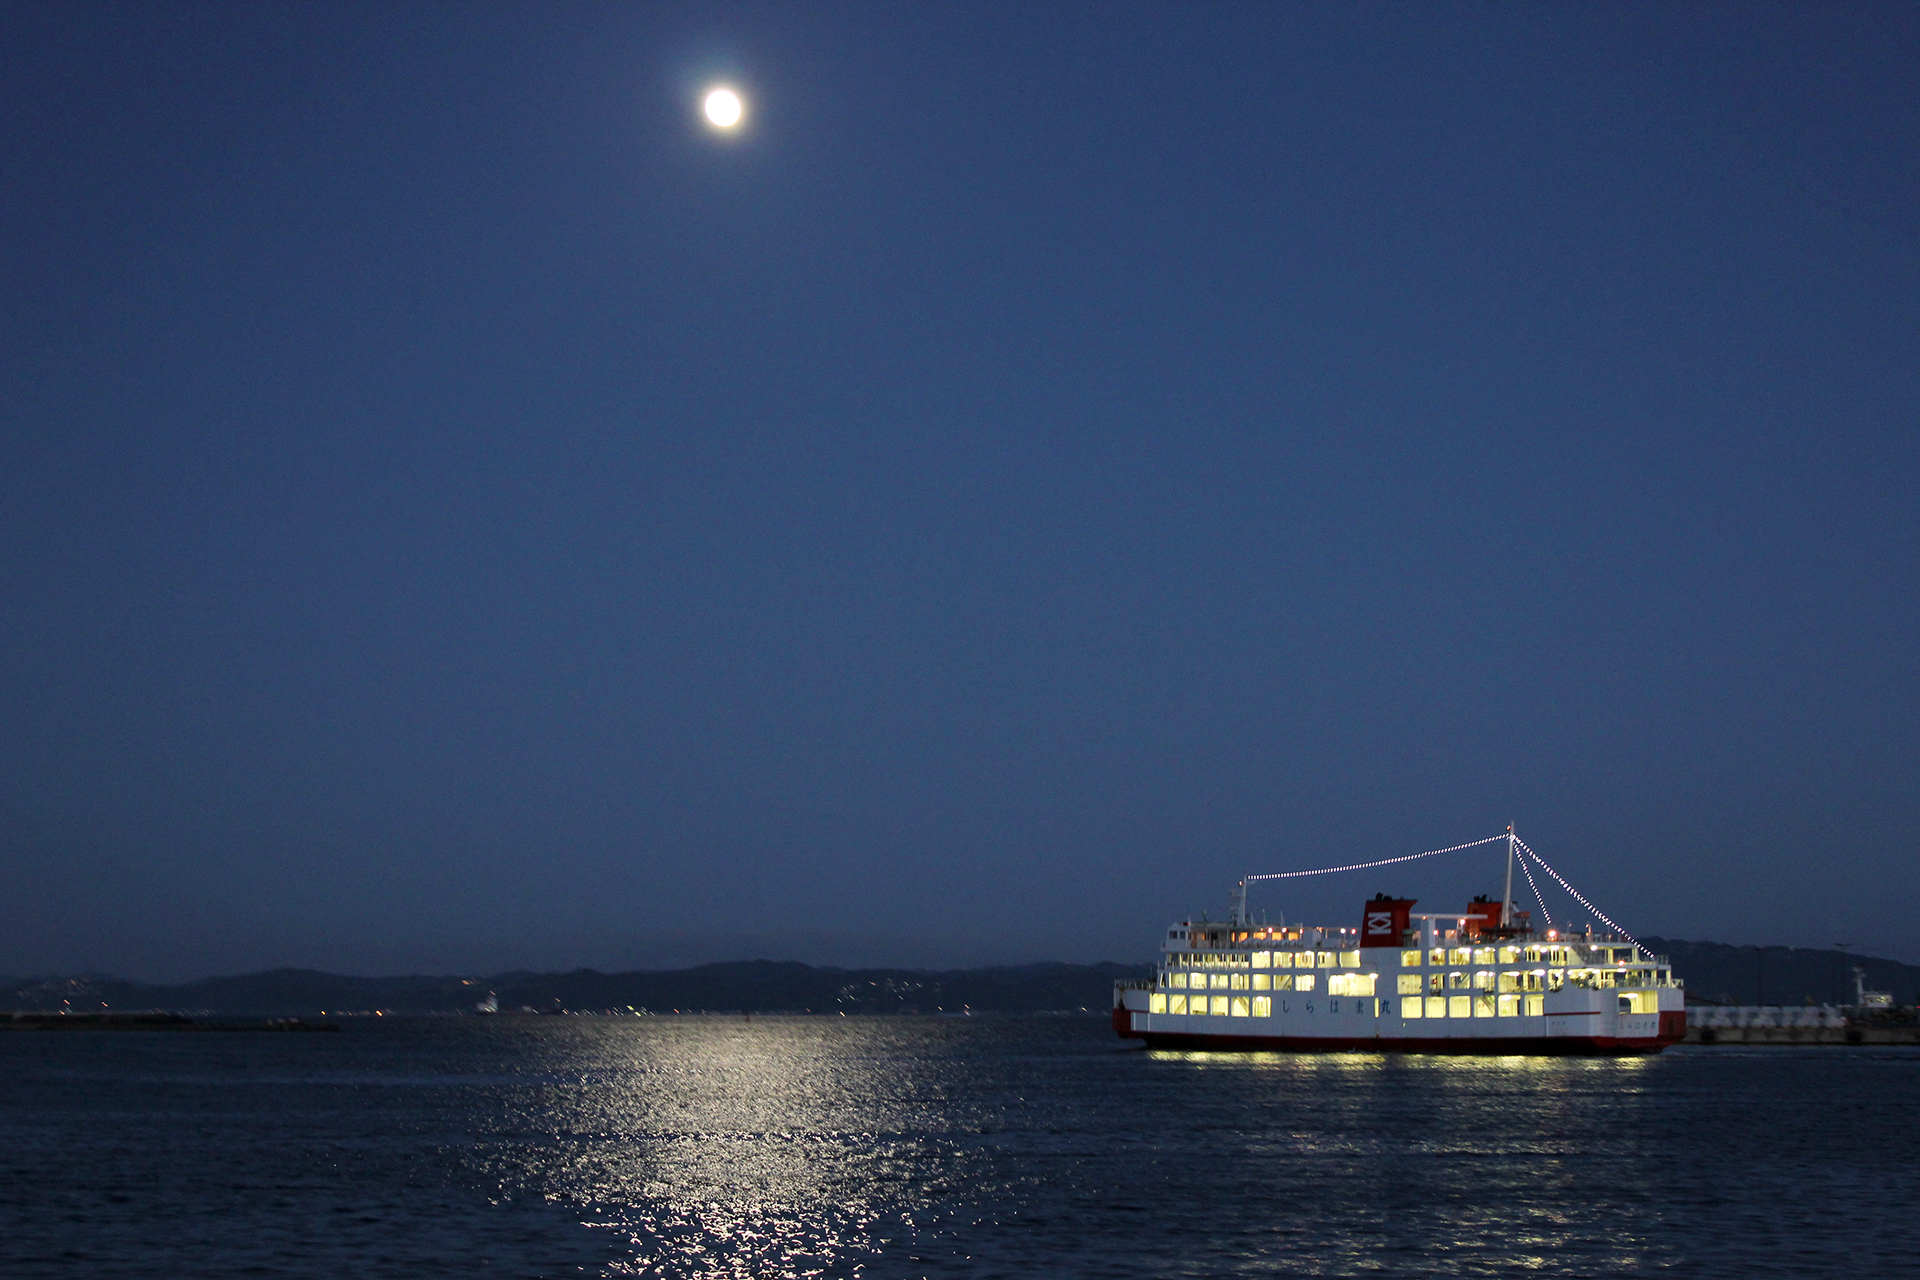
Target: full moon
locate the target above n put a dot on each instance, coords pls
(723, 108)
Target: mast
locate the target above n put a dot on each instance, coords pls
(1506, 900)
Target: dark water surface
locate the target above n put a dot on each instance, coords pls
(899, 1147)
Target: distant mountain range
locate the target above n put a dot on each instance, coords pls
(1714, 972)
(762, 986)
(1717, 973)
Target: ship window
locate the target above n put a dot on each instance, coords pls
(1324, 960)
(1180, 980)
(1409, 959)
(1157, 1003)
(1436, 1006)
(1410, 984)
(1303, 983)
(1219, 1006)
(1349, 959)
(1283, 982)
(1437, 957)
(1263, 1006)
(1483, 980)
(1350, 984)
(1459, 1006)
(1458, 981)
(1283, 959)
(1410, 1008)
(1509, 1006)
(1436, 981)
(1176, 1004)
(1263, 982)
(1239, 982)
(1556, 978)
(1459, 955)
(1536, 1005)
(1536, 954)
(1483, 955)
(1509, 955)
(1483, 1006)
(1241, 1008)
(1220, 981)
(1263, 959)
(1510, 980)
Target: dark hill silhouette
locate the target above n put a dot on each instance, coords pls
(756, 985)
(1714, 972)
(1718, 973)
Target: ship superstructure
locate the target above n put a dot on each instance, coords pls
(1483, 980)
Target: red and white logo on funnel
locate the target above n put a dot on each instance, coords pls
(1384, 921)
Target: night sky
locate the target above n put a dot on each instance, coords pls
(458, 511)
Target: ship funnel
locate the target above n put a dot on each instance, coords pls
(1384, 921)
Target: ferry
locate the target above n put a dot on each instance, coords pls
(1480, 981)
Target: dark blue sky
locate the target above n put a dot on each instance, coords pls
(457, 512)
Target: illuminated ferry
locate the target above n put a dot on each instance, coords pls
(1479, 981)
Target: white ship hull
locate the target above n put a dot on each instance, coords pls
(1481, 982)
(1574, 1020)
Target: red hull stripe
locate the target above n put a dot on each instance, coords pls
(1561, 1046)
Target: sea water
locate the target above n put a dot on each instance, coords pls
(903, 1147)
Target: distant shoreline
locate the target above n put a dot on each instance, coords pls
(1714, 973)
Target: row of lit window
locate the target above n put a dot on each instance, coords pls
(1412, 984)
(1440, 957)
(1265, 959)
(1269, 933)
(1230, 1006)
(1508, 1006)
(1467, 1006)
(1339, 984)
(1474, 1006)
(1223, 1006)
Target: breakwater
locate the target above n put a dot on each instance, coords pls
(150, 1020)
(1803, 1035)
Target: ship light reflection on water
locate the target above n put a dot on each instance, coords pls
(793, 1146)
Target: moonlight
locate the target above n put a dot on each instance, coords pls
(723, 108)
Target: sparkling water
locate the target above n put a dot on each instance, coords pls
(902, 1147)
